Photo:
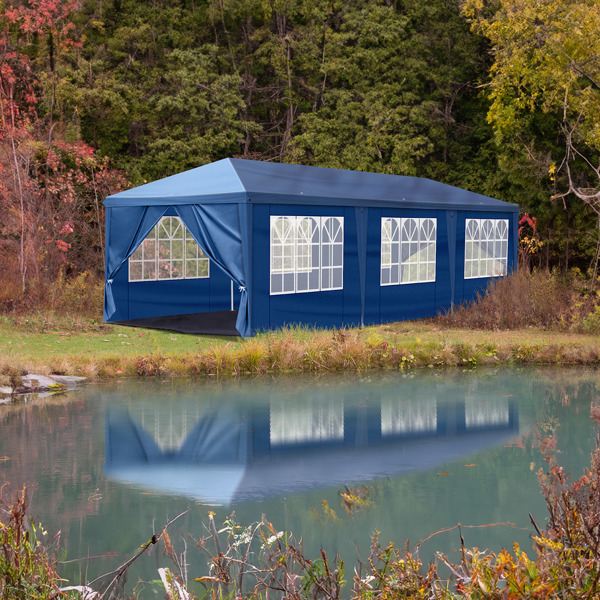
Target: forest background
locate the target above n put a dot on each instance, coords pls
(500, 97)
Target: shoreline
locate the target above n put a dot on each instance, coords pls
(108, 351)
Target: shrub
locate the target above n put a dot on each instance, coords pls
(80, 297)
(591, 322)
(151, 364)
(539, 299)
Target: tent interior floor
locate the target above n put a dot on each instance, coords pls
(221, 322)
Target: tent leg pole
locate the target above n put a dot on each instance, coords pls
(232, 294)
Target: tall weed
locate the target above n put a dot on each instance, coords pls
(75, 297)
(80, 295)
(251, 358)
(27, 563)
(283, 351)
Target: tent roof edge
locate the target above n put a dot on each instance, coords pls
(226, 198)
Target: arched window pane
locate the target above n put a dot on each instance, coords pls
(486, 247)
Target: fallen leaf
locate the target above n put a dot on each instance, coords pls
(444, 473)
(471, 465)
(531, 466)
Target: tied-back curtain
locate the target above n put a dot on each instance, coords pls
(126, 228)
(218, 231)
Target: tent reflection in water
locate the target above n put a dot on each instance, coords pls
(246, 452)
(239, 246)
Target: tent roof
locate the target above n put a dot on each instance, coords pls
(235, 180)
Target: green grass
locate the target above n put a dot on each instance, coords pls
(81, 346)
(107, 340)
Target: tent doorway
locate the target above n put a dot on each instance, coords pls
(221, 322)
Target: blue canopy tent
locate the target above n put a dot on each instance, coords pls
(295, 244)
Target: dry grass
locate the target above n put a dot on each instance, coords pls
(80, 296)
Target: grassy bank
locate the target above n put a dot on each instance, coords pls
(108, 351)
(535, 318)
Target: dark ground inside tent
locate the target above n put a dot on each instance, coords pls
(220, 322)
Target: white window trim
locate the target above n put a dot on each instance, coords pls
(157, 260)
(295, 247)
(393, 237)
(498, 261)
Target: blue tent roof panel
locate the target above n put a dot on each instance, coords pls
(215, 182)
(234, 180)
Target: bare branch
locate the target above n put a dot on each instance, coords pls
(118, 573)
(459, 526)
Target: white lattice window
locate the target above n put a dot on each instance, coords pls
(486, 248)
(480, 414)
(168, 252)
(307, 254)
(408, 250)
(283, 255)
(332, 253)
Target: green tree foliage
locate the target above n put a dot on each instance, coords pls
(392, 81)
(372, 85)
(545, 104)
(546, 56)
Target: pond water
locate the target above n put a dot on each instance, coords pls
(111, 463)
